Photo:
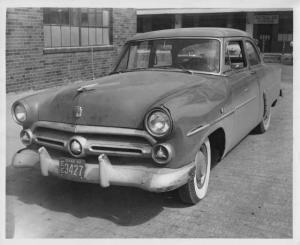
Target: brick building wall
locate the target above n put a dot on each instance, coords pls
(30, 66)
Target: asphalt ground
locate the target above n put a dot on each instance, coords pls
(250, 194)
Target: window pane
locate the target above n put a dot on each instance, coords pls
(99, 18)
(92, 17)
(47, 36)
(92, 36)
(84, 36)
(75, 17)
(64, 14)
(56, 36)
(252, 54)
(163, 54)
(236, 55)
(201, 55)
(105, 18)
(99, 36)
(105, 36)
(84, 17)
(65, 35)
(51, 16)
(139, 55)
(75, 36)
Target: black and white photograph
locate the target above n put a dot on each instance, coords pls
(149, 120)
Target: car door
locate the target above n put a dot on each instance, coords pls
(244, 90)
(255, 67)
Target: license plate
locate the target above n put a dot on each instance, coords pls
(72, 168)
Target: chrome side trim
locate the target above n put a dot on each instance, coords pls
(245, 103)
(94, 129)
(198, 129)
(222, 117)
(202, 127)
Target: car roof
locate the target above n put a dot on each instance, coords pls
(192, 32)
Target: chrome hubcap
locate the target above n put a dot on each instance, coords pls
(201, 166)
(266, 119)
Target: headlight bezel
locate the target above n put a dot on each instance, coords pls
(149, 114)
(13, 112)
(29, 134)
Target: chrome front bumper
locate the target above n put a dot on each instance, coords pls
(104, 173)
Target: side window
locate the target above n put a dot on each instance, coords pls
(252, 54)
(139, 55)
(163, 54)
(234, 55)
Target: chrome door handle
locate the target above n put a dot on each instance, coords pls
(252, 72)
(245, 89)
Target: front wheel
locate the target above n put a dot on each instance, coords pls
(196, 188)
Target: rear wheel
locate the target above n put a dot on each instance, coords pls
(196, 188)
(264, 125)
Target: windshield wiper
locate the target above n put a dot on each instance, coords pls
(182, 68)
(130, 70)
(174, 69)
(179, 68)
(117, 72)
(138, 69)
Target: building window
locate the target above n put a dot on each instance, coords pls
(64, 27)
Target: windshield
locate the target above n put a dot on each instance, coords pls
(200, 55)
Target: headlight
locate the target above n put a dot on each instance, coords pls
(19, 113)
(158, 123)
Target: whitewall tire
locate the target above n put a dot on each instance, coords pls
(264, 125)
(196, 188)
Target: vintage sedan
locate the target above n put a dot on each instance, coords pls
(176, 102)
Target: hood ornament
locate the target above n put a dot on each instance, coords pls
(77, 111)
(86, 87)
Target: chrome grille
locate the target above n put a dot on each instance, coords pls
(115, 150)
(128, 142)
(47, 141)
